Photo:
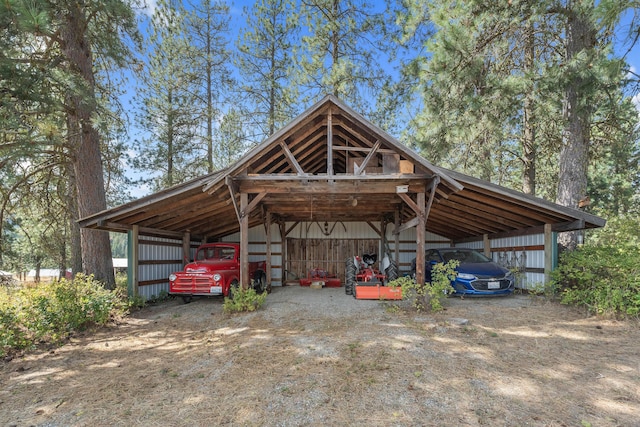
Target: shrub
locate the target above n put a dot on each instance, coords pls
(244, 300)
(51, 311)
(429, 294)
(604, 279)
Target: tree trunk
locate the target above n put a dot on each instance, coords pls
(529, 135)
(87, 162)
(572, 180)
(74, 227)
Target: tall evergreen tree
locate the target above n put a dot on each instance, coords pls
(207, 25)
(341, 51)
(265, 61)
(170, 107)
(51, 47)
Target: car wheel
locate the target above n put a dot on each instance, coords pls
(187, 299)
(349, 276)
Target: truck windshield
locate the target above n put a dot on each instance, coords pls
(216, 253)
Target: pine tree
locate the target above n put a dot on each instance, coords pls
(51, 98)
(265, 58)
(207, 25)
(340, 53)
(170, 106)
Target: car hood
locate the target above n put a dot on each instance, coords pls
(482, 268)
(206, 266)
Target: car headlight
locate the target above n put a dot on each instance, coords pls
(172, 277)
(217, 277)
(466, 276)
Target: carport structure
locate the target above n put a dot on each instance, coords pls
(331, 165)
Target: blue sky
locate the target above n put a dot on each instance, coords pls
(237, 22)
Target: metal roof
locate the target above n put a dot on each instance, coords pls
(331, 164)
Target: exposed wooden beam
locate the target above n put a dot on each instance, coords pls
(374, 228)
(291, 158)
(434, 184)
(359, 169)
(363, 149)
(253, 204)
(409, 201)
(233, 188)
(407, 225)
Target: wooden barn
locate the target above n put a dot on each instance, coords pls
(331, 185)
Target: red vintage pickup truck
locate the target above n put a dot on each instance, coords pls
(216, 271)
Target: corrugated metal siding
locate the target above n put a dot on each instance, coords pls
(155, 249)
(479, 245)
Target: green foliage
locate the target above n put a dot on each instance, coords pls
(244, 300)
(429, 295)
(604, 279)
(621, 230)
(51, 312)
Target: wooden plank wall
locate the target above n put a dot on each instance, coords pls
(327, 254)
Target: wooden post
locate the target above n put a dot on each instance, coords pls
(397, 235)
(487, 245)
(244, 242)
(283, 245)
(548, 252)
(268, 238)
(420, 238)
(186, 249)
(329, 144)
(132, 262)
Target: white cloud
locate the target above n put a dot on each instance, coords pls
(149, 7)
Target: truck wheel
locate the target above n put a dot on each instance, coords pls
(349, 276)
(187, 299)
(261, 282)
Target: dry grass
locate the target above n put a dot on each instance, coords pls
(319, 357)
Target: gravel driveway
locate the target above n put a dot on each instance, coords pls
(321, 358)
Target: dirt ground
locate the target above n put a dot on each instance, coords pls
(321, 358)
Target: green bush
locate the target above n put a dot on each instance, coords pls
(429, 294)
(49, 312)
(604, 279)
(244, 300)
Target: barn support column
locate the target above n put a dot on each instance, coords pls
(421, 231)
(548, 252)
(267, 226)
(186, 249)
(244, 241)
(397, 236)
(487, 245)
(283, 242)
(133, 255)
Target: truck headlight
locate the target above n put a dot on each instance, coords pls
(217, 277)
(172, 277)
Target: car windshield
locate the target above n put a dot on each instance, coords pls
(216, 253)
(464, 256)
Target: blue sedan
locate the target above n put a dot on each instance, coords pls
(477, 274)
